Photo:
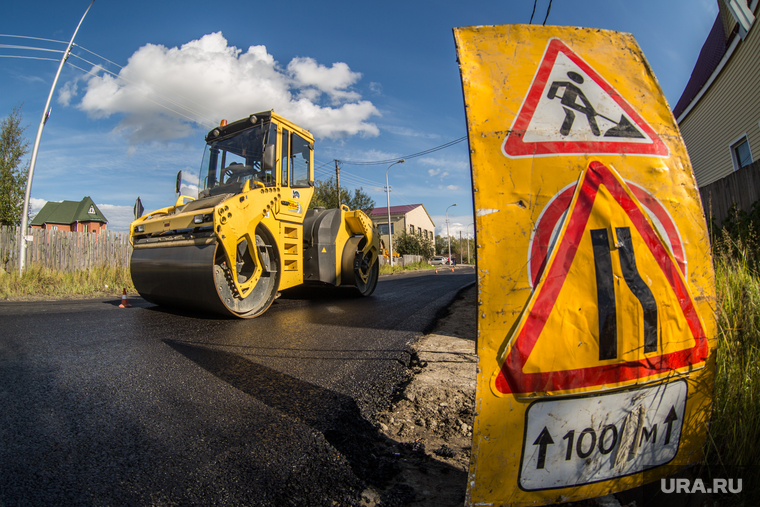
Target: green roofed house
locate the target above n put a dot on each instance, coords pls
(82, 216)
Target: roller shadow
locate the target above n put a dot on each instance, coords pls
(373, 457)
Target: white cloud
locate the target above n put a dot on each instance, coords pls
(450, 187)
(119, 217)
(35, 205)
(206, 80)
(463, 223)
(433, 172)
(306, 72)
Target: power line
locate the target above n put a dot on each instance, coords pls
(14, 46)
(413, 155)
(144, 96)
(149, 81)
(33, 38)
(548, 10)
(207, 120)
(30, 58)
(534, 11)
(210, 121)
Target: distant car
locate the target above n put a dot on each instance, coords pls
(438, 261)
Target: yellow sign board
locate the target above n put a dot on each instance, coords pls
(595, 326)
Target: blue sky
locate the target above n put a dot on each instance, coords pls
(371, 80)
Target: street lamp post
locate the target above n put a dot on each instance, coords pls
(30, 174)
(388, 196)
(447, 230)
(468, 241)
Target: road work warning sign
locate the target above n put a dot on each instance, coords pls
(595, 326)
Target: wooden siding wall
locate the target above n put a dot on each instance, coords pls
(729, 109)
(741, 187)
(64, 250)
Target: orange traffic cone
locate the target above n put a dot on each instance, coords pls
(124, 300)
(436, 271)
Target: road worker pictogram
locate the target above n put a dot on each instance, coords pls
(570, 108)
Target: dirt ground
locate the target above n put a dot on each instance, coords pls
(431, 416)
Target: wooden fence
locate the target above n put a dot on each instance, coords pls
(741, 187)
(64, 250)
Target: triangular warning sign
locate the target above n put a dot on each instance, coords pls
(571, 109)
(612, 307)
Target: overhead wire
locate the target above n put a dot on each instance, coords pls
(145, 97)
(413, 155)
(30, 58)
(32, 38)
(121, 67)
(548, 10)
(322, 168)
(207, 120)
(532, 13)
(210, 122)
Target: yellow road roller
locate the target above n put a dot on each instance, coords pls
(250, 232)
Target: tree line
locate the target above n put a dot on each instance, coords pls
(13, 169)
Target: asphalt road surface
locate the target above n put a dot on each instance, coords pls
(143, 406)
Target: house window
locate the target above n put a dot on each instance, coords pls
(383, 228)
(91, 211)
(86, 227)
(411, 229)
(419, 231)
(740, 153)
(55, 228)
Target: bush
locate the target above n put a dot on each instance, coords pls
(413, 244)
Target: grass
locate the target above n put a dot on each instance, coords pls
(387, 269)
(37, 282)
(734, 432)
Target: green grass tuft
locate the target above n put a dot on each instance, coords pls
(386, 269)
(734, 432)
(39, 282)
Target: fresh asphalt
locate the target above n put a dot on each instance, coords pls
(101, 405)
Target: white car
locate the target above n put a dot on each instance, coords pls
(438, 261)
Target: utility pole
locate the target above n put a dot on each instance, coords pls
(337, 177)
(388, 197)
(45, 115)
(460, 246)
(448, 234)
(468, 241)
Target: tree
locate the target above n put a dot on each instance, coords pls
(13, 147)
(326, 196)
(441, 245)
(413, 244)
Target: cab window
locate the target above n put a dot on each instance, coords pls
(300, 155)
(285, 156)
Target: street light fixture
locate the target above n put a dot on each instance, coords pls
(388, 196)
(468, 241)
(447, 230)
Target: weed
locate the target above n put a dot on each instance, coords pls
(37, 281)
(387, 269)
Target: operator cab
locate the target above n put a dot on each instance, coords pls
(239, 152)
(253, 149)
